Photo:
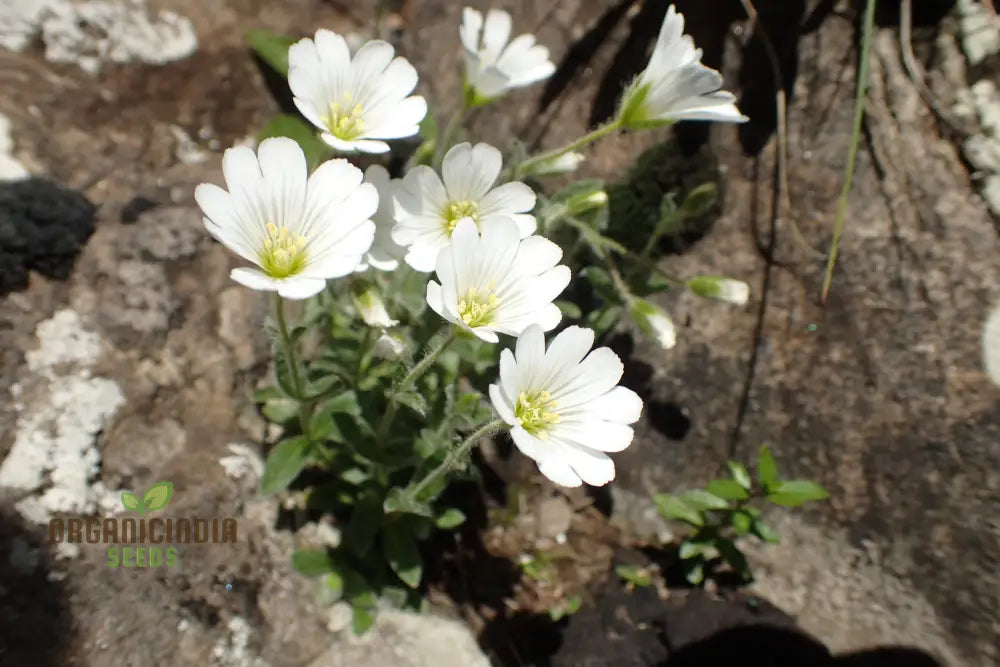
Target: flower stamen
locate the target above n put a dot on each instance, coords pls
(284, 253)
(535, 412)
(459, 210)
(476, 310)
(344, 121)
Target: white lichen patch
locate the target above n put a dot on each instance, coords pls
(242, 462)
(978, 26)
(234, 650)
(991, 345)
(54, 460)
(10, 168)
(92, 32)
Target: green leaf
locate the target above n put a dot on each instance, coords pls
(284, 464)
(321, 386)
(602, 283)
(691, 549)
(797, 492)
(283, 371)
(727, 489)
(694, 571)
(767, 469)
(293, 127)
(413, 401)
(363, 525)
(450, 518)
(633, 574)
(570, 310)
(272, 49)
(131, 502)
(704, 500)
(355, 476)
(765, 532)
(570, 607)
(281, 410)
(742, 522)
(335, 583)
(735, 558)
(577, 189)
(363, 618)
(399, 502)
(266, 394)
(700, 201)
(311, 562)
(401, 552)
(672, 507)
(740, 474)
(604, 319)
(157, 497)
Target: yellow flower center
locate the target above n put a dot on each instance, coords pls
(457, 210)
(476, 310)
(346, 122)
(284, 253)
(535, 412)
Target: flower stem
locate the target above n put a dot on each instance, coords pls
(444, 140)
(441, 341)
(291, 358)
(456, 455)
(524, 169)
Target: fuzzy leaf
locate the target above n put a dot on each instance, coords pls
(767, 469)
(312, 562)
(727, 489)
(284, 464)
(401, 552)
(672, 507)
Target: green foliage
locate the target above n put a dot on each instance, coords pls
(725, 511)
(293, 127)
(272, 49)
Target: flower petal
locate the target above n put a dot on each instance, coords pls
(506, 199)
(284, 171)
(469, 172)
(500, 404)
(560, 472)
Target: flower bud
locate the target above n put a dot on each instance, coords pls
(389, 347)
(370, 306)
(586, 201)
(720, 288)
(564, 164)
(652, 321)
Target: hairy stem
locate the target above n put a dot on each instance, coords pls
(524, 169)
(456, 456)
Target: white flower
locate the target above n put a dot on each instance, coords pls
(384, 254)
(355, 102)
(654, 322)
(497, 283)
(299, 232)
(675, 85)
(991, 345)
(564, 405)
(492, 66)
(427, 209)
(721, 288)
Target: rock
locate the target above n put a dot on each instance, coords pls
(42, 228)
(406, 639)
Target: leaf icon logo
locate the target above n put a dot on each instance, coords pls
(155, 499)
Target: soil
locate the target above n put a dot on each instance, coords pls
(878, 393)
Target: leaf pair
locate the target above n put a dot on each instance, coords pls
(155, 499)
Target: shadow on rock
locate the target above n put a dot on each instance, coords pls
(35, 622)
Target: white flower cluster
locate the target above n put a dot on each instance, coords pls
(493, 275)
